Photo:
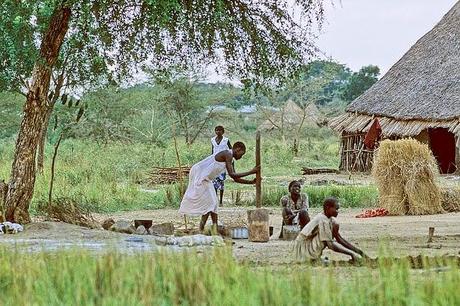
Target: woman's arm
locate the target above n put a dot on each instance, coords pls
(343, 241)
(227, 157)
(246, 182)
(231, 172)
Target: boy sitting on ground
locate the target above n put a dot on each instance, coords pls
(321, 232)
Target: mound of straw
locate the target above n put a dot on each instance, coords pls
(68, 211)
(450, 199)
(405, 172)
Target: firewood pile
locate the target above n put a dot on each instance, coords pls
(167, 175)
(311, 171)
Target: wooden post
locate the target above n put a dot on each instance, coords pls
(258, 219)
(258, 225)
(430, 234)
(258, 174)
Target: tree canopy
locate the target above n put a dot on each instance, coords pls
(111, 39)
(360, 82)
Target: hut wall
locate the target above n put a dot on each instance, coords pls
(355, 157)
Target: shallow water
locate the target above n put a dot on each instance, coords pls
(129, 245)
(52, 245)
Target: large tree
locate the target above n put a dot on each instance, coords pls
(254, 40)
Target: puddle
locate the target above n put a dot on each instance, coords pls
(128, 245)
(50, 245)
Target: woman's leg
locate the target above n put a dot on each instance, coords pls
(204, 218)
(221, 196)
(304, 218)
(214, 218)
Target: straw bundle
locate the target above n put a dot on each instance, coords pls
(450, 199)
(405, 172)
(68, 211)
(167, 175)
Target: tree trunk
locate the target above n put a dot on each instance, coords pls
(53, 164)
(187, 132)
(21, 184)
(295, 147)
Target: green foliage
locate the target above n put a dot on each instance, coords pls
(129, 115)
(186, 278)
(183, 104)
(104, 160)
(319, 82)
(10, 113)
(361, 81)
(17, 36)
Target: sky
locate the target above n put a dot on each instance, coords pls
(377, 32)
(371, 32)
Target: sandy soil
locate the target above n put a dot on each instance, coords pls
(402, 235)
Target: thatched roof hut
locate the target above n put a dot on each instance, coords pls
(418, 97)
(291, 116)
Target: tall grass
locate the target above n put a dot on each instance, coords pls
(79, 278)
(109, 177)
(349, 196)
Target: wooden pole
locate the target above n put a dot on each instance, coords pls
(430, 234)
(258, 219)
(258, 174)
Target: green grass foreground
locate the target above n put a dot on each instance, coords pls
(80, 278)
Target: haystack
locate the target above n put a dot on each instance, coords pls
(405, 172)
(450, 199)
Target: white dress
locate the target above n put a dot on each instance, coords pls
(221, 146)
(200, 196)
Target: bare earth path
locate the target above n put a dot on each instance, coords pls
(405, 235)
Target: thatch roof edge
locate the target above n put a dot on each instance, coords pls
(360, 123)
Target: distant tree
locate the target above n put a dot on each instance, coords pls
(324, 79)
(190, 108)
(360, 82)
(224, 94)
(257, 40)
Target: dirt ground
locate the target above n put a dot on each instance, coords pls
(402, 235)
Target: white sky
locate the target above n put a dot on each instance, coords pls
(378, 32)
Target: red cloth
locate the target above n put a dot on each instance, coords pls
(373, 134)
